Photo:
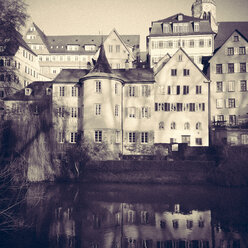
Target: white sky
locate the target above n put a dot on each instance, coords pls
(82, 17)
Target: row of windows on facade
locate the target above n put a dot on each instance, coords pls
(220, 119)
(186, 126)
(227, 103)
(180, 107)
(10, 62)
(69, 91)
(230, 51)
(31, 72)
(181, 43)
(176, 90)
(231, 86)
(230, 68)
(181, 27)
(48, 58)
(130, 242)
(27, 55)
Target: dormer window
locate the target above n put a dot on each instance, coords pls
(166, 28)
(180, 17)
(48, 91)
(72, 47)
(196, 27)
(28, 91)
(90, 47)
(2, 48)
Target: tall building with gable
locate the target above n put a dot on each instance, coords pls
(77, 51)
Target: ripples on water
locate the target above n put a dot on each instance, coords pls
(142, 216)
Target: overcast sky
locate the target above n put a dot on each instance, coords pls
(66, 17)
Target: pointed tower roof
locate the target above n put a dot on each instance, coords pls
(102, 64)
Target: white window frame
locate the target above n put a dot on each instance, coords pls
(144, 137)
(98, 136)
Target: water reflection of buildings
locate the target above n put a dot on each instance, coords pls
(95, 220)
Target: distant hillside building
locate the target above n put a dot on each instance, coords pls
(77, 51)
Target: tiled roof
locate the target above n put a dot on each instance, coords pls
(38, 92)
(175, 18)
(57, 44)
(70, 75)
(225, 29)
(157, 26)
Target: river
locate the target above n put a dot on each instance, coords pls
(121, 215)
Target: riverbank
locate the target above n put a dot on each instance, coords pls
(160, 172)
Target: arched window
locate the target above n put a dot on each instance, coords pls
(204, 15)
(198, 126)
(161, 125)
(186, 126)
(209, 15)
(1, 62)
(173, 125)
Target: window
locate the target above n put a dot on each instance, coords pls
(219, 86)
(174, 90)
(61, 137)
(116, 110)
(144, 217)
(242, 67)
(130, 216)
(73, 138)
(186, 139)
(62, 91)
(173, 125)
(219, 103)
(189, 224)
(198, 89)
(243, 85)
(74, 91)
(220, 118)
(185, 89)
(98, 136)
(175, 224)
(74, 112)
(198, 126)
(98, 87)
(242, 51)
(117, 48)
(232, 120)
(97, 109)
(231, 86)
(161, 125)
(231, 103)
(61, 111)
(173, 72)
(198, 141)
(201, 43)
(173, 140)
(145, 112)
(219, 69)
(110, 48)
(131, 91)
(191, 43)
(180, 58)
(186, 126)
(201, 223)
(244, 139)
(230, 51)
(131, 112)
(235, 38)
(196, 27)
(145, 90)
(131, 137)
(230, 67)
(117, 137)
(1, 93)
(162, 224)
(144, 137)
(186, 72)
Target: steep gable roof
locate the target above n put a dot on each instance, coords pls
(175, 19)
(225, 29)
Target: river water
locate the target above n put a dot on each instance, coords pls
(119, 215)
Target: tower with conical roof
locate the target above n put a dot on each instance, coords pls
(206, 9)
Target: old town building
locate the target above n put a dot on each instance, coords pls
(77, 51)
